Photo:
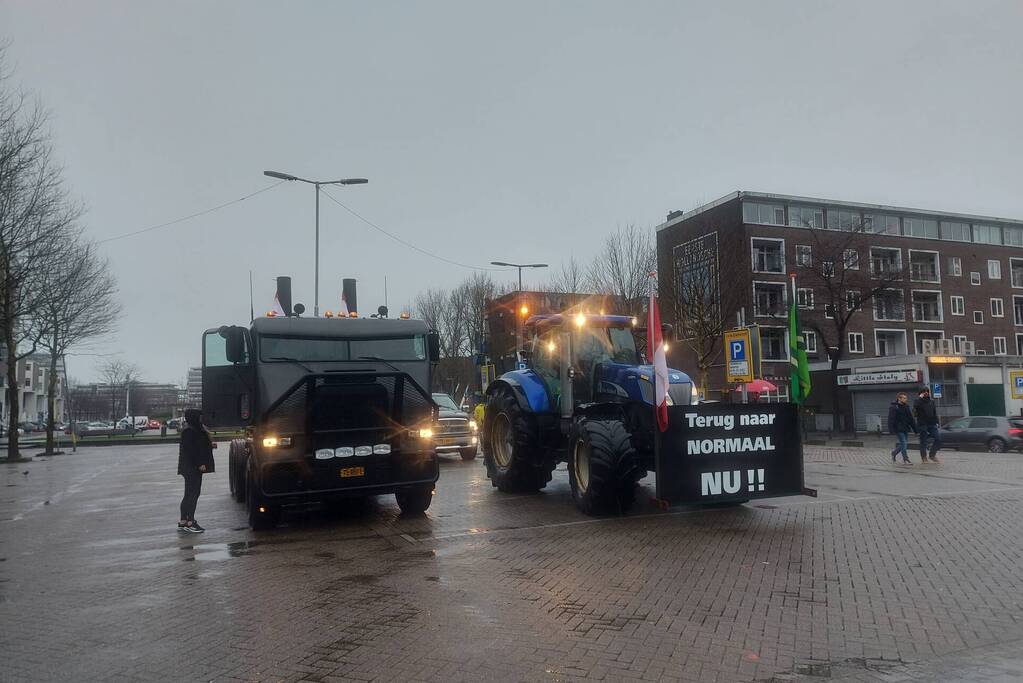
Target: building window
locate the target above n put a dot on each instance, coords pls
(804, 297)
(853, 301)
(923, 266)
(1013, 236)
(844, 219)
(999, 348)
(957, 343)
(772, 344)
(888, 225)
(779, 396)
(768, 255)
(955, 266)
(768, 299)
(957, 305)
(1017, 310)
(890, 305)
(851, 258)
(804, 255)
(1019, 344)
(810, 339)
(884, 261)
(765, 214)
(926, 306)
(1016, 272)
(828, 268)
(997, 308)
(994, 269)
(890, 342)
(974, 278)
(855, 342)
(920, 337)
(978, 317)
(806, 216)
(921, 227)
(987, 234)
(960, 232)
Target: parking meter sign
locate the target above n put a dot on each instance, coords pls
(937, 393)
(740, 366)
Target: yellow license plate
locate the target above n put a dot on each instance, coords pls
(352, 472)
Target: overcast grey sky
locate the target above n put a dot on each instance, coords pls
(514, 130)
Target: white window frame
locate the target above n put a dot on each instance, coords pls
(808, 249)
(916, 339)
(849, 341)
(941, 307)
(994, 269)
(807, 336)
(955, 266)
(849, 302)
(1017, 323)
(851, 263)
(827, 307)
(975, 281)
(753, 254)
(1014, 286)
(978, 322)
(952, 300)
(873, 303)
(898, 262)
(1000, 307)
(957, 342)
(807, 296)
(1005, 348)
(1019, 344)
(937, 262)
(784, 297)
(784, 344)
(877, 343)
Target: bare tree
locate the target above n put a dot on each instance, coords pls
(476, 292)
(82, 307)
(621, 268)
(445, 314)
(36, 217)
(118, 374)
(701, 304)
(844, 276)
(570, 279)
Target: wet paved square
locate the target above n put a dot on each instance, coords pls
(892, 574)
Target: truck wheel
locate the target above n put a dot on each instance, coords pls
(602, 467)
(262, 515)
(468, 454)
(511, 453)
(236, 469)
(414, 500)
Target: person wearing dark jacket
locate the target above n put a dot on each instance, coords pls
(195, 458)
(901, 423)
(927, 419)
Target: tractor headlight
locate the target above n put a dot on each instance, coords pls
(694, 395)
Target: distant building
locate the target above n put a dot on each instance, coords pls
(194, 388)
(33, 376)
(100, 401)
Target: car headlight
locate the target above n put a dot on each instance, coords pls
(473, 426)
(694, 394)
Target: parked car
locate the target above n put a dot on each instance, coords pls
(154, 424)
(29, 427)
(140, 422)
(455, 430)
(176, 423)
(994, 434)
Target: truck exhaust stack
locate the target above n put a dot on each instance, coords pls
(284, 294)
(349, 297)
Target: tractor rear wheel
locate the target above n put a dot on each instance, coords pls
(515, 462)
(603, 468)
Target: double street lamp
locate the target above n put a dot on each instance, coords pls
(523, 310)
(316, 184)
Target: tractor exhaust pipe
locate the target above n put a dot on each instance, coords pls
(284, 294)
(349, 296)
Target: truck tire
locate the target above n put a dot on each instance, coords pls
(603, 468)
(414, 500)
(262, 514)
(236, 469)
(515, 462)
(468, 454)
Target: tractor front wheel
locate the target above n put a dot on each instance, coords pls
(515, 462)
(603, 468)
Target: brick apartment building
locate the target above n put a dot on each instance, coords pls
(949, 309)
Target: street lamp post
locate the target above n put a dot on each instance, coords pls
(519, 315)
(316, 184)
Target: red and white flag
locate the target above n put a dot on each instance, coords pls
(277, 310)
(655, 350)
(343, 311)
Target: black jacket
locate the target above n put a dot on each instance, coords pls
(900, 419)
(196, 449)
(926, 412)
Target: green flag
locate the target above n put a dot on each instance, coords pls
(799, 372)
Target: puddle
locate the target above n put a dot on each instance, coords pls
(214, 552)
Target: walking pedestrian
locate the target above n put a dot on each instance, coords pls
(927, 420)
(901, 423)
(195, 458)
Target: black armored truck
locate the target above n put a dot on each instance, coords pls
(331, 407)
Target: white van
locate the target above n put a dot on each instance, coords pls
(141, 422)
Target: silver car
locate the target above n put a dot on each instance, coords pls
(994, 434)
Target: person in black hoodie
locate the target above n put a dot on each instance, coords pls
(195, 458)
(901, 423)
(927, 418)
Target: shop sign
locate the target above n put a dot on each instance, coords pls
(887, 377)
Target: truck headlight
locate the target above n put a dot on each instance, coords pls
(694, 396)
(425, 433)
(473, 426)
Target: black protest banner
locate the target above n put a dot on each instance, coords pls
(718, 452)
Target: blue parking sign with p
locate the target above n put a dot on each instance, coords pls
(738, 351)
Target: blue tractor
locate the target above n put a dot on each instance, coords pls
(585, 398)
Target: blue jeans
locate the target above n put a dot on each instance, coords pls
(932, 432)
(900, 445)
